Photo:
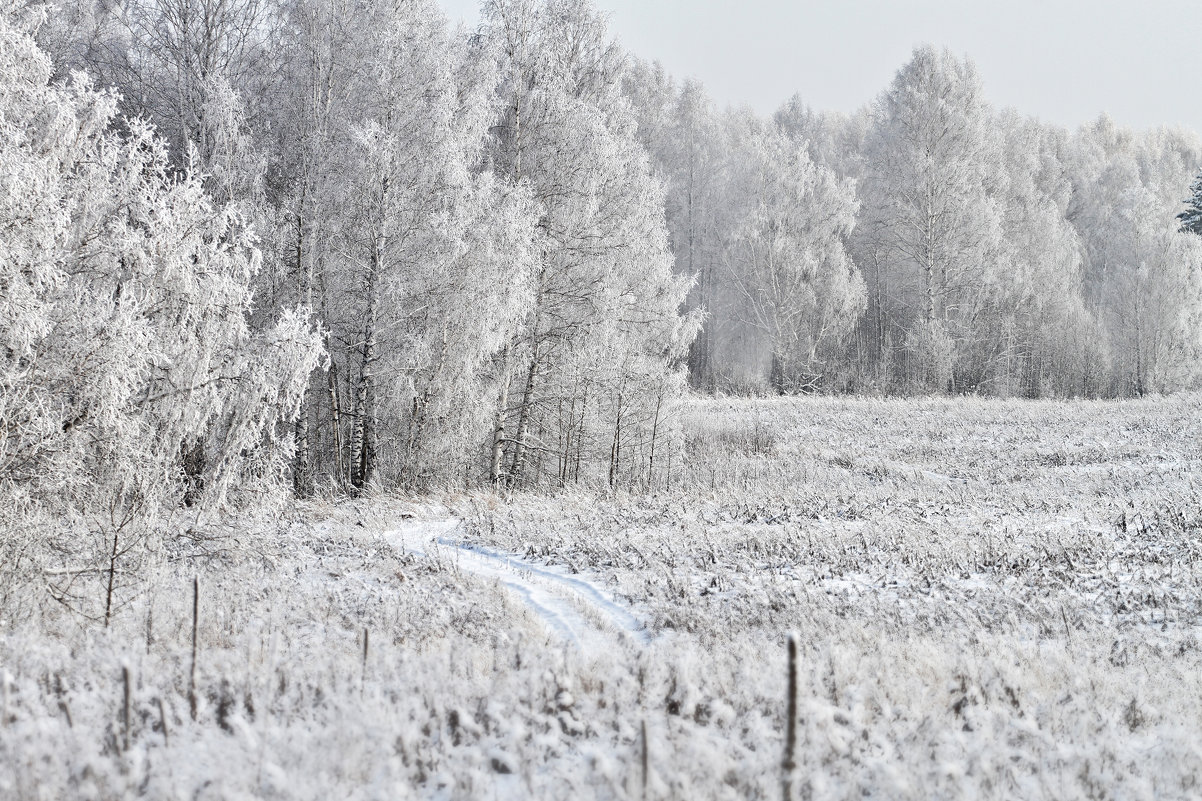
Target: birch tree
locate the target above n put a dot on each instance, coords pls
(124, 316)
(604, 272)
(801, 287)
(1141, 272)
(419, 253)
(932, 226)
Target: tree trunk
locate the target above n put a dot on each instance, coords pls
(776, 375)
(302, 472)
(1139, 341)
(580, 433)
(928, 256)
(363, 446)
(496, 462)
(335, 421)
(498, 434)
(362, 441)
(302, 468)
(529, 398)
(615, 451)
(530, 392)
(414, 467)
(881, 353)
(192, 458)
(659, 401)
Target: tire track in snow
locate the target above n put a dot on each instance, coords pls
(555, 596)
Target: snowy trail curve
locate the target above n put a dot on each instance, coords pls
(569, 606)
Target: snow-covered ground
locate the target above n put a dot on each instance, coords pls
(995, 600)
(570, 607)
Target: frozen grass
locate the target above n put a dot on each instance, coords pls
(995, 600)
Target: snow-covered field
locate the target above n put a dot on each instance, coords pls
(995, 599)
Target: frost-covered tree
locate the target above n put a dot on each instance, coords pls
(1141, 272)
(124, 317)
(1191, 218)
(590, 363)
(832, 139)
(683, 134)
(173, 60)
(412, 252)
(932, 226)
(788, 258)
(1034, 340)
(306, 185)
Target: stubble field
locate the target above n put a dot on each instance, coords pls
(994, 599)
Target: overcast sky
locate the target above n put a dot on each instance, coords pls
(1064, 62)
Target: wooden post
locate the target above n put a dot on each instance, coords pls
(646, 758)
(125, 710)
(789, 765)
(192, 672)
(363, 676)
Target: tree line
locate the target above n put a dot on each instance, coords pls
(928, 242)
(338, 244)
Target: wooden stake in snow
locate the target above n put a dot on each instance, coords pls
(125, 708)
(363, 677)
(789, 765)
(646, 760)
(62, 705)
(163, 721)
(192, 672)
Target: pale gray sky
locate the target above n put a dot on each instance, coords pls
(1061, 61)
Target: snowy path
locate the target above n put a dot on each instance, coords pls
(569, 606)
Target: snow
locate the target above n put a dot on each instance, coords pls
(566, 604)
(1034, 633)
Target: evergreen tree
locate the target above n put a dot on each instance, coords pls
(1191, 218)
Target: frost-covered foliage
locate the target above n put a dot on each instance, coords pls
(1141, 273)
(590, 365)
(1000, 600)
(418, 253)
(1000, 255)
(130, 379)
(490, 298)
(997, 599)
(797, 281)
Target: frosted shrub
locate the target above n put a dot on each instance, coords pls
(123, 323)
(931, 355)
